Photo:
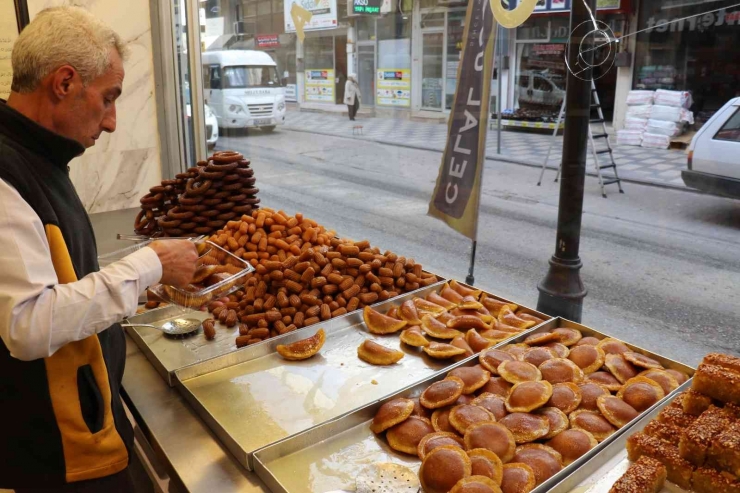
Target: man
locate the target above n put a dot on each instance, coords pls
(61, 352)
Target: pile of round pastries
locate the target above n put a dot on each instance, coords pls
(524, 411)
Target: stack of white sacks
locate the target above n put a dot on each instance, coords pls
(654, 117)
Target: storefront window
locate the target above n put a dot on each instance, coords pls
(394, 62)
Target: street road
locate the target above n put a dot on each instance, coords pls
(662, 266)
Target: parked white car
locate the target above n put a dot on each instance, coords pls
(714, 154)
(211, 126)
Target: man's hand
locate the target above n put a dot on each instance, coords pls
(178, 259)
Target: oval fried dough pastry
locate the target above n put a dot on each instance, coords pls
(498, 386)
(561, 370)
(476, 484)
(590, 340)
(588, 358)
(495, 404)
(680, 376)
(405, 436)
(474, 377)
(528, 396)
(420, 410)
(593, 422)
(491, 436)
(470, 303)
(605, 379)
(568, 336)
(560, 349)
(572, 444)
(509, 318)
(375, 354)
(541, 338)
(377, 323)
(413, 337)
(486, 463)
(490, 359)
(391, 413)
(442, 468)
(438, 439)
(566, 396)
(558, 420)
(622, 369)
(303, 349)
(545, 461)
(590, 392)
(515, 350)
(612, 346)
(526, 427)
(463, 416)
(518, 478)
(518, 371)
(441, 420)
(464, 290)
(440, 350)
(538, 355)
(615, 410)
(641, 360)
(666, 381)
(442, 393)
(494, 306)
(434, 328)
(641, 393)
(438, 300)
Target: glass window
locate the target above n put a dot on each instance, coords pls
(239, 77)
(365, 27)
(731, 129)
(534, 29)
(319, 53)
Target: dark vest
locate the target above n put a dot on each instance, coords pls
(63, 416)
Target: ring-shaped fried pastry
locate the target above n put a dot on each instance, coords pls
(414, 337)
(405, 436)
(590, 392)
(443, 467)
(433, 327)
(391, 413)
(593, 422)
(477, 484)
(491, 436)
(474, 377)
(615, 410)
(495, 404)
(376, 354)
(642, 361)
(611, 345)
(568, 337)
(440, 350)
(518, 371)
(526, 427)
(518, 478)
(545, 461)
(490, 359)
(572, 444)
(561, 370)
(538, 355)
(558, 420)
(587, 358)
(466, 415)
(641, 393)
(565, 396)
(528, 396)
(442, 393)
(622, 369)
(438, 439)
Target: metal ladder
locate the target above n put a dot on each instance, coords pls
(603, 181)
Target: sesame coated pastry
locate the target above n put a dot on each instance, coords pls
(647, 475)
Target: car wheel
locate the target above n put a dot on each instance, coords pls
(268, 129)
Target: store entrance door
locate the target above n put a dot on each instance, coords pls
(340, 66)
(366, 74)
(432, 75)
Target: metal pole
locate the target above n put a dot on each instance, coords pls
(499, 68)
(562, 291)
(470, 279)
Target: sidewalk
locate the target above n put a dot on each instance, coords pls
(654, 166)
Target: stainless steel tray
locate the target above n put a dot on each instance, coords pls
(253, 397)
(328, 457)
(600, 471)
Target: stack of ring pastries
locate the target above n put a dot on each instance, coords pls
(202, 200)
(525, 410)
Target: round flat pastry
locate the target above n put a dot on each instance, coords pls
(557, 418)
(642, 361)
(464, 399)
(615, 410)
(587, 358)
(420, 410)
(560, 349)
(392, 413)
(442, 468)
(605, 379)
(622, 369)
(477, 484)
(405, 436)
(612, 346)
(474, 377)
(526, 427)
(442, 393)
(572, 444)
(593, 422)
(441, 420)
(537, 355)
(590, 392)
(477, 341)
(518, 478)
(560, 370)
(498, 386)
(641, 393)
(462, 417)
(568, 336)
(680, 376)
(459, 342)
(565, 396)
(438, 439)
(519, 371)
(414, 337)
(667, 381)
(490, 359)
(528, 396)
(515, 349)
(541, 338)
(486, 463)
(545, 461)
(494, 403)
(440, 350)
(491, 436)
(590, 341)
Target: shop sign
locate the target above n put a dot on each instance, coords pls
(267, 40)
(368, 7)
(8, 34)
(564, 5)
(320, 85)
(291, 92)
(548, 49)
(457, 192)
(323, 14)
(699, 23)
(393, 87)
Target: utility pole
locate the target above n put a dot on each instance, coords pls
(562, 291)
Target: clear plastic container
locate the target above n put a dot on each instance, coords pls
(236, 267)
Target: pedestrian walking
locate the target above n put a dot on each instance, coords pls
(352, 96)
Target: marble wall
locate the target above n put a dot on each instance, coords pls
(122, 166)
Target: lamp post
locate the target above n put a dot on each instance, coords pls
(562, 291)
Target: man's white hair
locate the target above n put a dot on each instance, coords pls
(63, 36)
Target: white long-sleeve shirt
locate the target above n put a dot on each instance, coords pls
(37, 314)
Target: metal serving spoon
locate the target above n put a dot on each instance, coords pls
(176, 327)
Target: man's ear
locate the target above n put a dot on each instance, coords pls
(64, 81)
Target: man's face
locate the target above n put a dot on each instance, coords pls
(86, 112)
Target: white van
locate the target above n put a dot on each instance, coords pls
(243, 89)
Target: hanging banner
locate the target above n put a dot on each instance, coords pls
(457, 193)
(321, 14)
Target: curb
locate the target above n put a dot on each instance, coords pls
(497, 157)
